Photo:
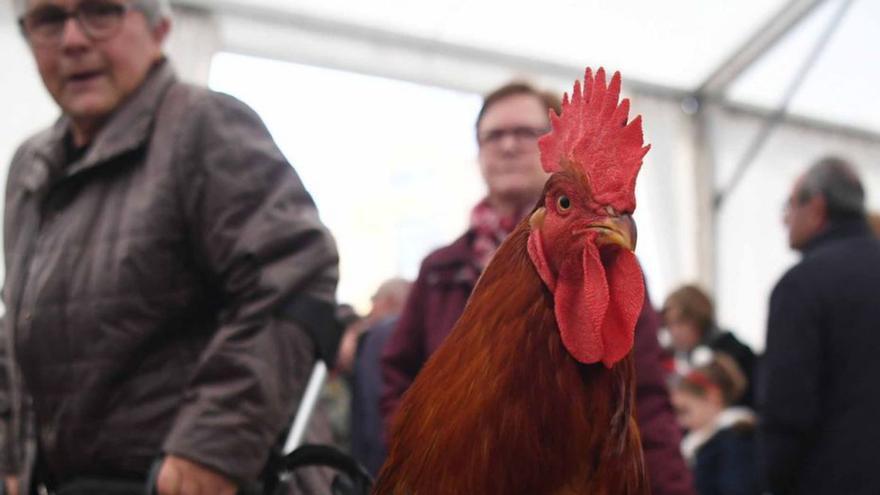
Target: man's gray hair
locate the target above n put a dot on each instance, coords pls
(153, 10)
(837, 181)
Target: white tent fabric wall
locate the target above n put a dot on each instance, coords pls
(666, 196)
(844, 74)
(390, 164)
(194, 39)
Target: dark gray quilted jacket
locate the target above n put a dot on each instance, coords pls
(145, 284)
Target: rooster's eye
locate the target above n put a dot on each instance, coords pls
(563, 203)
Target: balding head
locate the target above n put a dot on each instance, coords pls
(838, 183)
(390, 297)
(829, 191)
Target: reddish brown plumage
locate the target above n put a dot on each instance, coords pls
(510, 404)
(503, 408)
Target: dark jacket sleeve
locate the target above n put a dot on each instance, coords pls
(789, 387)
(10, 442)
(8, 460)
(404, 353)
(661, 438)
(737, 475)
(256, 232)
(725, 465)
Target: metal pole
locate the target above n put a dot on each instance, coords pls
(306, 408)
(773, 119)
(762, 41)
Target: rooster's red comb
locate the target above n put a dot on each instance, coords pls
(592, 135)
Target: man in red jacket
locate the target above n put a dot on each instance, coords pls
(508, 127)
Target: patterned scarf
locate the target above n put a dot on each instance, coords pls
(490, 229)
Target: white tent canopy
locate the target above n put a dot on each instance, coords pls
(708, 77)
(660, 47)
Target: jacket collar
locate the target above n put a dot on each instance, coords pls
(454, 263)
(842, 229)
(457, 253)
(127, 129)
(729, 417)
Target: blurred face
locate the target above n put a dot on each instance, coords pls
(804, 219)
(509, 158)
(692, 411)
(90, 77)
(685, 334)
(383, 304)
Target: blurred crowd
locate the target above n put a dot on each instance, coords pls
(169, 286)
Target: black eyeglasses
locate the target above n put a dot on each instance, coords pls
(494, 137)
(796, 200)
(98, 19)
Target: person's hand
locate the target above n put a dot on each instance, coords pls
(11, 485)
(347, 351)
(348, 348)
(179, 476)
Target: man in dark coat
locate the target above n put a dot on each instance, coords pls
(818, 382)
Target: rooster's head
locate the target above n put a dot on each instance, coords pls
(583, 236)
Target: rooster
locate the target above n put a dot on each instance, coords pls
(532, 392)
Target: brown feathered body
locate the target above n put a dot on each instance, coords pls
(503, 408)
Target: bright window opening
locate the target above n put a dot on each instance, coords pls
(391, 165)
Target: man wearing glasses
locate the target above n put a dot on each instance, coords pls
(152, 235)
(817, 382)
(508, 126)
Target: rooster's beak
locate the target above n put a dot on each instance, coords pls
(536, 221)
(617, 230)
